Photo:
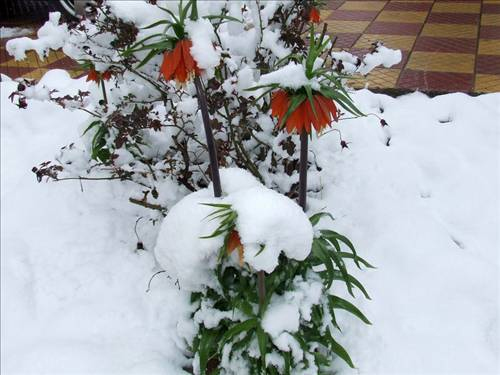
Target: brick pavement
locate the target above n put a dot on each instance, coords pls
(447, 45)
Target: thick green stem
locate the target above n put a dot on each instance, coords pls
(212, 151)
(303, 170)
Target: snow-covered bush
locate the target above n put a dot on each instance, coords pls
(145, 129)
(236, 327)
(178, 89)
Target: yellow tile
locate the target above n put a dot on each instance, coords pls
(338, 27)
(36, 74)
(441, 62)
(325, 13)
(363, 5)
(53, 56)
(404, 42)
(408, 17)
(449, 30)
(378, 78)
(75, 73)
(490, 19)
(456, 7)
(487, 83)
(489, 47)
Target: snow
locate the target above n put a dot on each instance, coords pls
(11, 32)
(201, 33)
(424, 210)
(290, 76)
(382, 56)
(270, 41)
(50, 36)
(265, 218)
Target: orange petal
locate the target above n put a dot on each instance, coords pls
(181, 74)
(314, 15)
(322, 113)
(279, 103)
(186, 55)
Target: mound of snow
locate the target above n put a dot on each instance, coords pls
(265, 219)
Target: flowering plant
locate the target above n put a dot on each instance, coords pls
(183, 88)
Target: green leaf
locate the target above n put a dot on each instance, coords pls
(206, 348)
(149, 56)
(340, 303)
(358, 258)
(194, 11)
(339, 350)
(227, 18)
(314, 219)
(262, 340)
(92, 124)
(161, 22)
(319, 252)
(337, 275)
(237, 329)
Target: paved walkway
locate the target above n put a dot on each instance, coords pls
(447, 45)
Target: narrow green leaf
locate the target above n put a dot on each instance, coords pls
(314, 219)
(340, 303)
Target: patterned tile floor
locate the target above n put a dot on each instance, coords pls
(447, 45)
(33, 67)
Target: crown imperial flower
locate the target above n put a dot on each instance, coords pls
(234, 243)
(320, 115)
(314, 15)
(179, 64)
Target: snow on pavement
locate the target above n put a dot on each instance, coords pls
(424, 210)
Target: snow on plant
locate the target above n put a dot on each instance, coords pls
(145, 129)
(238, 330)
(260, 274)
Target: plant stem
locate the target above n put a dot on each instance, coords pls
(303, 170)
(261, 283)
(212, 152)
(104, 96)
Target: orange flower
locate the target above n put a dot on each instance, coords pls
(106, 75)
(303, 116)
(234, 242)
(93, 75)
(314, 15)
(178, 64)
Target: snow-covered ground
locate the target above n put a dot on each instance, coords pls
(424, 210)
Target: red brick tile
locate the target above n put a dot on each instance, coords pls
(436, 81)
(408, 6)
(346, 40)
(490, 8)
(15, 72)
(459, 18)
(334, 4)
(490, 32)
(4, 56)
(353, 15)
(64, 63)
(393, 28)
(488, 64)
(432, 44)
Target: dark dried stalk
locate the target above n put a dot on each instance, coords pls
(303, 170)
(212, 152)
